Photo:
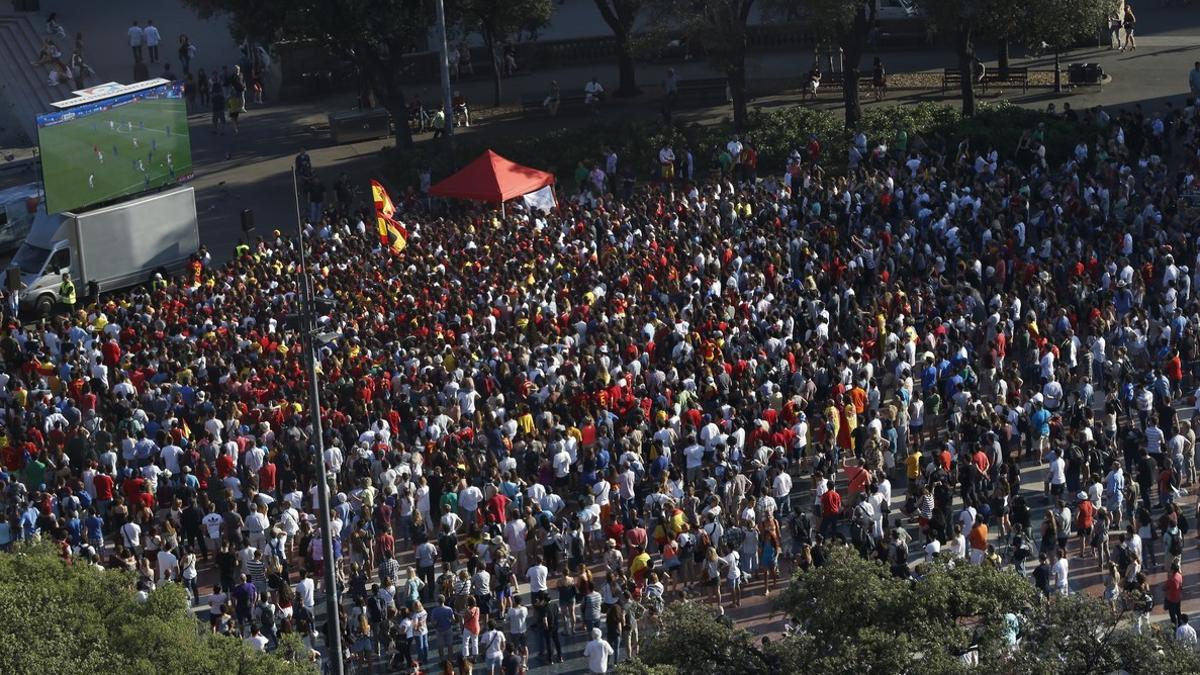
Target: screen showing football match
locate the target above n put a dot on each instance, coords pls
(115, 147)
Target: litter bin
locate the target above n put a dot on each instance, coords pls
(1085, 73)
(358, 125)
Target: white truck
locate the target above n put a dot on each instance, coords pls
(114, 247)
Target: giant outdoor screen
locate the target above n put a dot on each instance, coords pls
(115, 147)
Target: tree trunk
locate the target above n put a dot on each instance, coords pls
(397, 107)
(850, 96)
(1002, 57)
(852, 44)
(966, 70)
(626, 70)
(497, 76)
(1057, 72)
(737, 91)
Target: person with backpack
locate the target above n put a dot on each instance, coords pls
(1172, 539)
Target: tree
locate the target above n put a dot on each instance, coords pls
(59, 618)
(620, 16)
(1081, 634)
(372, 35)
(497, 21)
(961, 18)
(694, 640)
(1006, 20)
(852, 21)
(1064, 23)
(932, 619)
(719, 28)
(256, 20)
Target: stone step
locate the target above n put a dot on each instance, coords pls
(26, 95)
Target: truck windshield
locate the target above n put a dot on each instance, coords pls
(31, 259)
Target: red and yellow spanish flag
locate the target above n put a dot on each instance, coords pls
(391, 233)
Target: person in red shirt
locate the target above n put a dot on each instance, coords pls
(497, 508)
(1173, 593)
(266, 477)
(104, 492)
(224, 465)
(1085, 518)
(385, 542)
(831, 511)
(858, 480)
(132, 487)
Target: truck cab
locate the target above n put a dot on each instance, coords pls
(43, 259)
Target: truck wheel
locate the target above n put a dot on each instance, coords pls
(44, 304)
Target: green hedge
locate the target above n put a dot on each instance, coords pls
(775, 133)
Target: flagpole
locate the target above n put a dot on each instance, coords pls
(447, 102)
(333, 635)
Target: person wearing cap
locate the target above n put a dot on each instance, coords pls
(597, 651)
(1085, 517)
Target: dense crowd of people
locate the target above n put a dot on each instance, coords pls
(541, 427)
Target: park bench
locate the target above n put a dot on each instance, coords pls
(951, 77)
(838, 80)
(1015, 76)
(703, 91)
(532, 104)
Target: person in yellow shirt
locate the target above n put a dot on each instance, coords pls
(525, 421)
(833, 421)
(639, 563)
(912, 468)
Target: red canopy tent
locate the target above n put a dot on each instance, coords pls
(492, 178)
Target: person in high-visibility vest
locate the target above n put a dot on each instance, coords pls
(66, 292)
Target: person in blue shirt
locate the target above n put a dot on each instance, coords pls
(929, 376)
(93, 527)
(1039, 423)
(28, 522)
(6, 537)
(441, 618)
(659, 466)
(74, 530)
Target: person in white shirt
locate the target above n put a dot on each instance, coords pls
(562, 463)
(305, 591)
(597, 652)
(168, 565)
(537, 575)
(258, 525)
(1185, 633)
(212, 523)
(491, 643)
(1059, 573)
(131, 536)
(782, 487)
(515, 532)
(666, 161)
(468, 500)
(257, 641)
(518, 621)
(136, 38)
(932, 549)
(593, 93)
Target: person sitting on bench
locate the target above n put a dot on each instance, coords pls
(593, 94)
(462, 112)
(812, 82)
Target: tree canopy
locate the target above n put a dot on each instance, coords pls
(59, 618)
(851, 615)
